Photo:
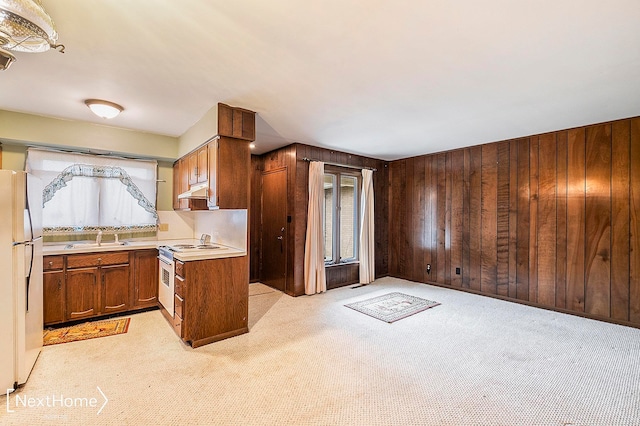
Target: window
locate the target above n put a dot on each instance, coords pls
(341, 206)
(83, 194)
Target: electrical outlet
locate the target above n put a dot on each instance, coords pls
(163, 227)
(429, 268)
(457, 271)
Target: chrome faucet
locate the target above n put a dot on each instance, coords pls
(99, 238)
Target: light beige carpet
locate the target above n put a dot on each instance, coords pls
(312, 361)
(256, 289)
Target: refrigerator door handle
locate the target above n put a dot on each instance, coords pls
(28, 276)
(28, 208)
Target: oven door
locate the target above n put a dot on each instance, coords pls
(166, 284)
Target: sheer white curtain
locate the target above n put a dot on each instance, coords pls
(85, 193)
(314, 274)
(367, 240)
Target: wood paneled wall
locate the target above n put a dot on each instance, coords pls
(551, 220)
(291, 157)
(255, 215)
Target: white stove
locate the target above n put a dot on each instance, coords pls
(184, 252)
(181, 248)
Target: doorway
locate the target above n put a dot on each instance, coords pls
(274, 228)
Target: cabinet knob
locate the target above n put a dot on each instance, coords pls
(99, 260)
(50, 263)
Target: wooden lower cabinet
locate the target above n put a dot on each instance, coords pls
(180, 290)
(79, 286)
(211, 299)
(145, 278)
(53, 288)
(82, 293)
(116, 295)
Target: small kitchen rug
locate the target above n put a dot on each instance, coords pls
(87, 330)
(392, 307)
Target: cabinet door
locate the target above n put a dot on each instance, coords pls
(234, 169)
(244, 125)
(237, 123)
(176, 185)
(53, 289)
(248, 130)
(183, 166)
(192, 161)
(82, 293)
(146, 278)
(212, 157)
(225, 120)
(203, 166)
(115, 288)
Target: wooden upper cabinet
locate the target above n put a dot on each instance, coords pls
(192, 164)
(198, 169)
(184, 182)
(202, 171)
(229, 172)
(176, 185)
(213, 172)
(233, 173)
(180, 183)
(236, 123)
(223, 162)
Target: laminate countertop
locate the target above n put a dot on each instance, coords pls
(222, 252)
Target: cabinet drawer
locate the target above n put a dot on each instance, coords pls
(180, 268)
(52, 263)
(179, 306)
(177, 325)
(97, 259)
(180, 286)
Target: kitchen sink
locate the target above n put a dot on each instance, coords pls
(95, 245)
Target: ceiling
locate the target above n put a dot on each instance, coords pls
(384, 79)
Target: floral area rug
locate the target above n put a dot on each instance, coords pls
(87, 330)
(393, 306)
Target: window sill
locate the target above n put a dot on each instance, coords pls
(333, 265)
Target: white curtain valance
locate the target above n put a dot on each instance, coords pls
(85, 193)
(106, 172)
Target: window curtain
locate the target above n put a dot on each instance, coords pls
(87, 193)
(314, 274)
(367, 240)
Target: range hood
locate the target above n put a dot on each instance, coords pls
(198, 191)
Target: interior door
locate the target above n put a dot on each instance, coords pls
(274, 228)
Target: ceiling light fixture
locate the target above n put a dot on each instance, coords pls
(252, 145)
(25, 27)
(6, 59)
(104, 109)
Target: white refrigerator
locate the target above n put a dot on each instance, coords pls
(21, 307)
